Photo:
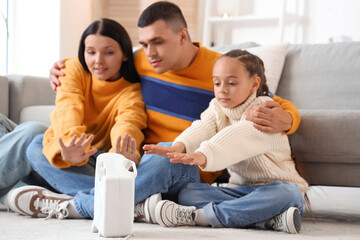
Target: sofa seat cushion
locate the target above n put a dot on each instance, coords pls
(39, 113)
(327, 144)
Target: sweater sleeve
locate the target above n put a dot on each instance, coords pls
(131, 117)
(67, 118)
(199, 131)
(233, 144)
(290, 108)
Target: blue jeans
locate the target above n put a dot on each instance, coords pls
(242, 206)
(155, 174)
(14, 166)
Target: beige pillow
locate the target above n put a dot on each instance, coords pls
(273, 57)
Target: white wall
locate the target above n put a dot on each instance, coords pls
(3, 37)
(44, 31)
(34, 36)
(322, 19)
(331, 18)
(41, 35)
(75, 17)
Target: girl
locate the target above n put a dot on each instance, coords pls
(98, 103)
(264, 189)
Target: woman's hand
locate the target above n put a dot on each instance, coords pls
(164, 150)
(197, 158)
(75, 151)
(128, 149)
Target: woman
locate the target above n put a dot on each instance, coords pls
(98, 103)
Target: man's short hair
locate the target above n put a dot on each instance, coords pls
(167, 11)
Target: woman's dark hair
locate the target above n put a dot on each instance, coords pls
(254, 65)
(112, 29)
(167, 11)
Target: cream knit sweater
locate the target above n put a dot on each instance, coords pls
(229, 141)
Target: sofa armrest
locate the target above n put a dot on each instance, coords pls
(327, 145)
(4, 95)
(28, 91)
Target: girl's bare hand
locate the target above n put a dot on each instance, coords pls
(163, 151)
(196, 158)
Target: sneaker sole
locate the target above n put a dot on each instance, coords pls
(293, 220)
(158, 213)
(10, 205)
(150, 204)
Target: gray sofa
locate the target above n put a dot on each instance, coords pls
(322, 80)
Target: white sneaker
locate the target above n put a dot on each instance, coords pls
(288, 221)
(38, 202)
(145, 210)
(170, 214)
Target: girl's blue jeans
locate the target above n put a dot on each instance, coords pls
(242, 206)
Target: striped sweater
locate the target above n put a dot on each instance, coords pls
(174, 100)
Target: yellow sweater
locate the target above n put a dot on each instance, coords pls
(175, 99)
(85, 104)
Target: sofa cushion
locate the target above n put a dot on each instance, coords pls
(37, 113)
(28, 91)
(273, 57)
(4, 96)
(327, 144)
(322, 76)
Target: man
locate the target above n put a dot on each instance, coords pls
(177, 86)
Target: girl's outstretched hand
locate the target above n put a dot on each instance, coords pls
(75, 151)
(128, 149)
(197, 158)
(164, 150)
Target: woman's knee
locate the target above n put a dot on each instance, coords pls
(36, 142)
(34, 151)
(32, 129)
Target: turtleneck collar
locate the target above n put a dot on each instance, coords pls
(237, 112)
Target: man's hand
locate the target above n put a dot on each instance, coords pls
(128, 149)
(197, 158)
(164, 150)
(55, 73)
(75, 151)
(269, 117)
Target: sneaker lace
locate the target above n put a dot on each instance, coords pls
(184, 215)
(52, 208)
